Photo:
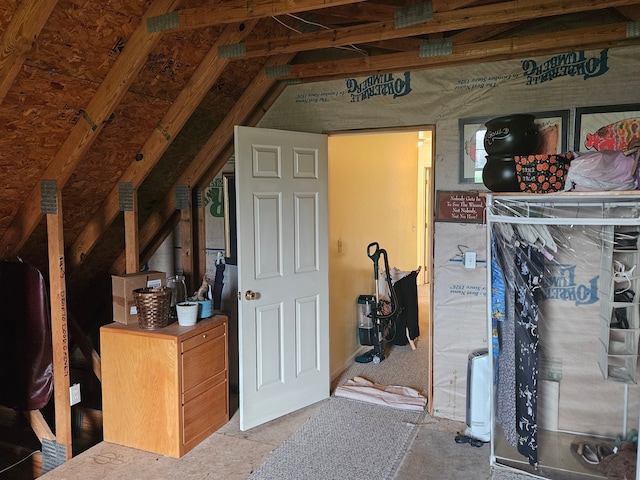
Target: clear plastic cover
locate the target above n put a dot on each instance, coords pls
(564, 309)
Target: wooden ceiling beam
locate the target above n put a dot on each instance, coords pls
(19, 36)
(408, 44)
(445, 21)
(86, 131)
(367, 12)
(612, 35)
(632, 12)
(210, 151)
(233, 11)
(446, 5)
(479, 34)
(201, 82)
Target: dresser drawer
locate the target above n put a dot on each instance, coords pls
(205, 413)
(204, 356)
(201, 338)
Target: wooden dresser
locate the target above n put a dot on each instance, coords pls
(164, 390)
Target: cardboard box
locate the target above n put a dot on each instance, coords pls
(124, 305)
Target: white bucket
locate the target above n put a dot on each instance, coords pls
(187, 313)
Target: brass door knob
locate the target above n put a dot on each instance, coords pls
(250, 295)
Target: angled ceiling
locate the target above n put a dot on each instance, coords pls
(94, 94)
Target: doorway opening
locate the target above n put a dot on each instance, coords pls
(380, 190)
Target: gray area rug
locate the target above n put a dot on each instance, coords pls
(344, 439)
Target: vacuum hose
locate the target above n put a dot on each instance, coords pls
(374, 252)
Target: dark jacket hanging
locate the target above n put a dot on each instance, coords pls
(407, 295)
(26, 358)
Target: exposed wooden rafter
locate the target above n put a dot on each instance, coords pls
(17, 39)
(444, 21)
(632, 12)
(216, 143)
(206, 75)
(234, 11)
(86, 131)
(493, 50)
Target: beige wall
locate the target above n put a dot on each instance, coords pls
(372, 198)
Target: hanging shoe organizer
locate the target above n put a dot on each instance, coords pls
(619, 302)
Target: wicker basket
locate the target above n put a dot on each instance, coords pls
(153, 307)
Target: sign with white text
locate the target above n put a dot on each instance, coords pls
(463, 207)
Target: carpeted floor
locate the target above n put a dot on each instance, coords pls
(402, 366)
(344, 439)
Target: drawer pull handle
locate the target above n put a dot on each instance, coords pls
(204, 335)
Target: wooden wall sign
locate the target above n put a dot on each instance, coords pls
(462, 207)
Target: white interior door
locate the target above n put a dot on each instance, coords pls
(283, 305)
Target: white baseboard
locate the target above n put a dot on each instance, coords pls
(342, 368)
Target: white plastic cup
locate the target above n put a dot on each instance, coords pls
(187, 313)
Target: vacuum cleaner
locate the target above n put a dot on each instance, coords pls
(376, 317)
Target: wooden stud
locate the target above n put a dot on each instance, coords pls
(131, 244)
(59, 329)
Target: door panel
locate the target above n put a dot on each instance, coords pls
(269, 324)
(267, 228)
(281, 198)
(306, 232)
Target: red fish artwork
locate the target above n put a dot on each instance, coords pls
(615, 136)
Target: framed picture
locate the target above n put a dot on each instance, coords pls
(607, 127)
(554, 130)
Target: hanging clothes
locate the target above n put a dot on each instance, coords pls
(517, 272)
(528, 282)
(26, 352)
(497, 306)
(506, 366)
(407, 327)
(218, 285)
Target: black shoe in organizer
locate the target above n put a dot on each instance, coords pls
(620, 313)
